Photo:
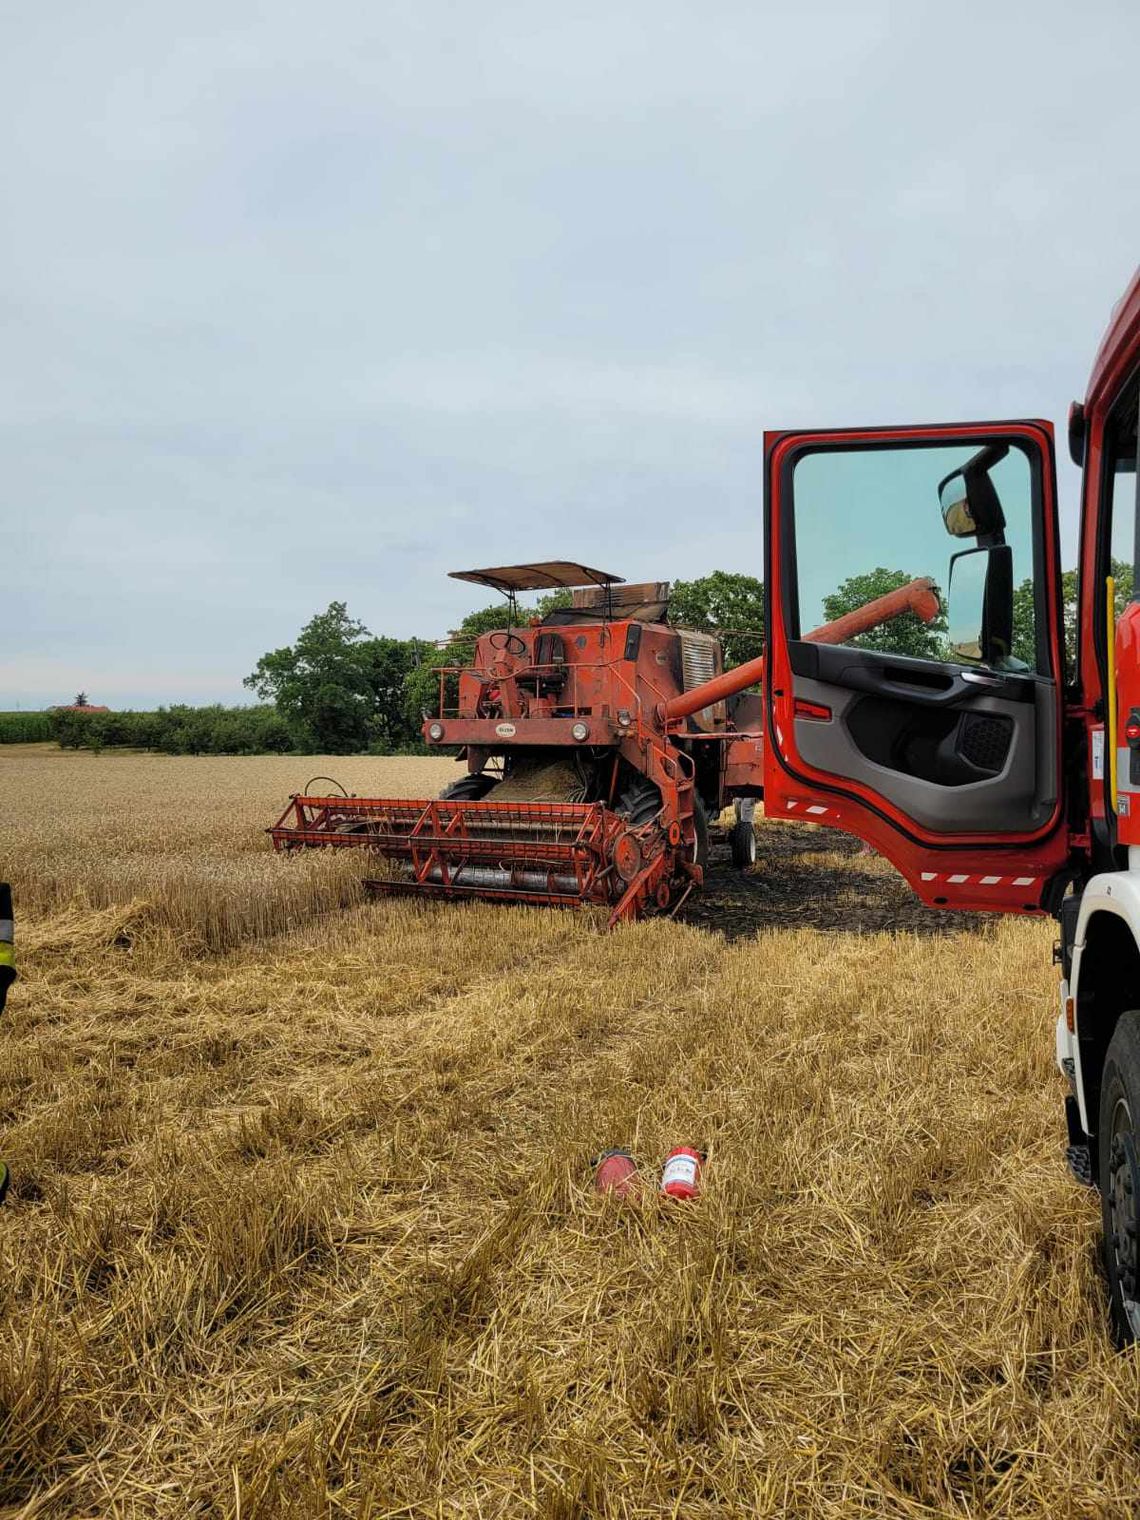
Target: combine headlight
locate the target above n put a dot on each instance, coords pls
(435, 731)
(580, 731)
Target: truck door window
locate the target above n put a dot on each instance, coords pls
(871, 519)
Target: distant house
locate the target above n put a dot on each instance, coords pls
(78, 707)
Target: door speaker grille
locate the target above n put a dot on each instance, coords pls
(984, 740)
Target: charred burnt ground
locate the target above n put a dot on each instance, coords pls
(809, 877)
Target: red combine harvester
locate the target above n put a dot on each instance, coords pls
(598, 743)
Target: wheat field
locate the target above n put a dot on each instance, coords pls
(302, 1221)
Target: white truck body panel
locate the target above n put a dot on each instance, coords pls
(1116, 892)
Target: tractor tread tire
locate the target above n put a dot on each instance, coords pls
(639, 803)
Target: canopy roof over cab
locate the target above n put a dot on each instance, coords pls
(547, 575)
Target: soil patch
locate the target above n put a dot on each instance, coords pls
(790, 888)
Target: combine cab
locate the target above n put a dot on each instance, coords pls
(598, 742)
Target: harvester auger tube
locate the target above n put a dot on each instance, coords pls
(917, 596)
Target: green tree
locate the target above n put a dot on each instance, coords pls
(553, 601)
(1024, 616)
(1122, 575)
(906, 634)
(725, 602)
(339, 688)
(389, 665)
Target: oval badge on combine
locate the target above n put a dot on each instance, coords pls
(505, 730)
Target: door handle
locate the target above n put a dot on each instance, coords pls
(976, 678)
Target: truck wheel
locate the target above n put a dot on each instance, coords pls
(742, 842)
(1120, 1175)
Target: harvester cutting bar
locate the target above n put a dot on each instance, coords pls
(557, 853)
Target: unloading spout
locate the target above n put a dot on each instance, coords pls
(917, 596)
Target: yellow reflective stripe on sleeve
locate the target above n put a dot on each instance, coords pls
(7, 954)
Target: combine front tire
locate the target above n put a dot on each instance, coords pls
(639, 802)
(469, 788)
(742, 842)
(1120, 1175)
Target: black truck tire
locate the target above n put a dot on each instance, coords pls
(1119, 1175)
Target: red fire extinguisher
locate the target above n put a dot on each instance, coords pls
(616, 1173)
(681, 1175)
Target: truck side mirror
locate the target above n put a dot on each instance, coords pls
(969, 500)
(954, 499)
(980, 613)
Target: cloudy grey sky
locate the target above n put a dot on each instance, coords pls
(306, 302)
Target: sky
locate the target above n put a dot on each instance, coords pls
(304, 303)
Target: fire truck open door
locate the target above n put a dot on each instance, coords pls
(939, 742)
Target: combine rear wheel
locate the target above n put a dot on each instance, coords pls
(1120, 1175)
(742, 842)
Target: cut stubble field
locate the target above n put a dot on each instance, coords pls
(303, 1222)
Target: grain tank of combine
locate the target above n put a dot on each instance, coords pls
(596, 742)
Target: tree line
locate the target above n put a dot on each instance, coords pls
(177, 730)
(25, 727)
(340, 689)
